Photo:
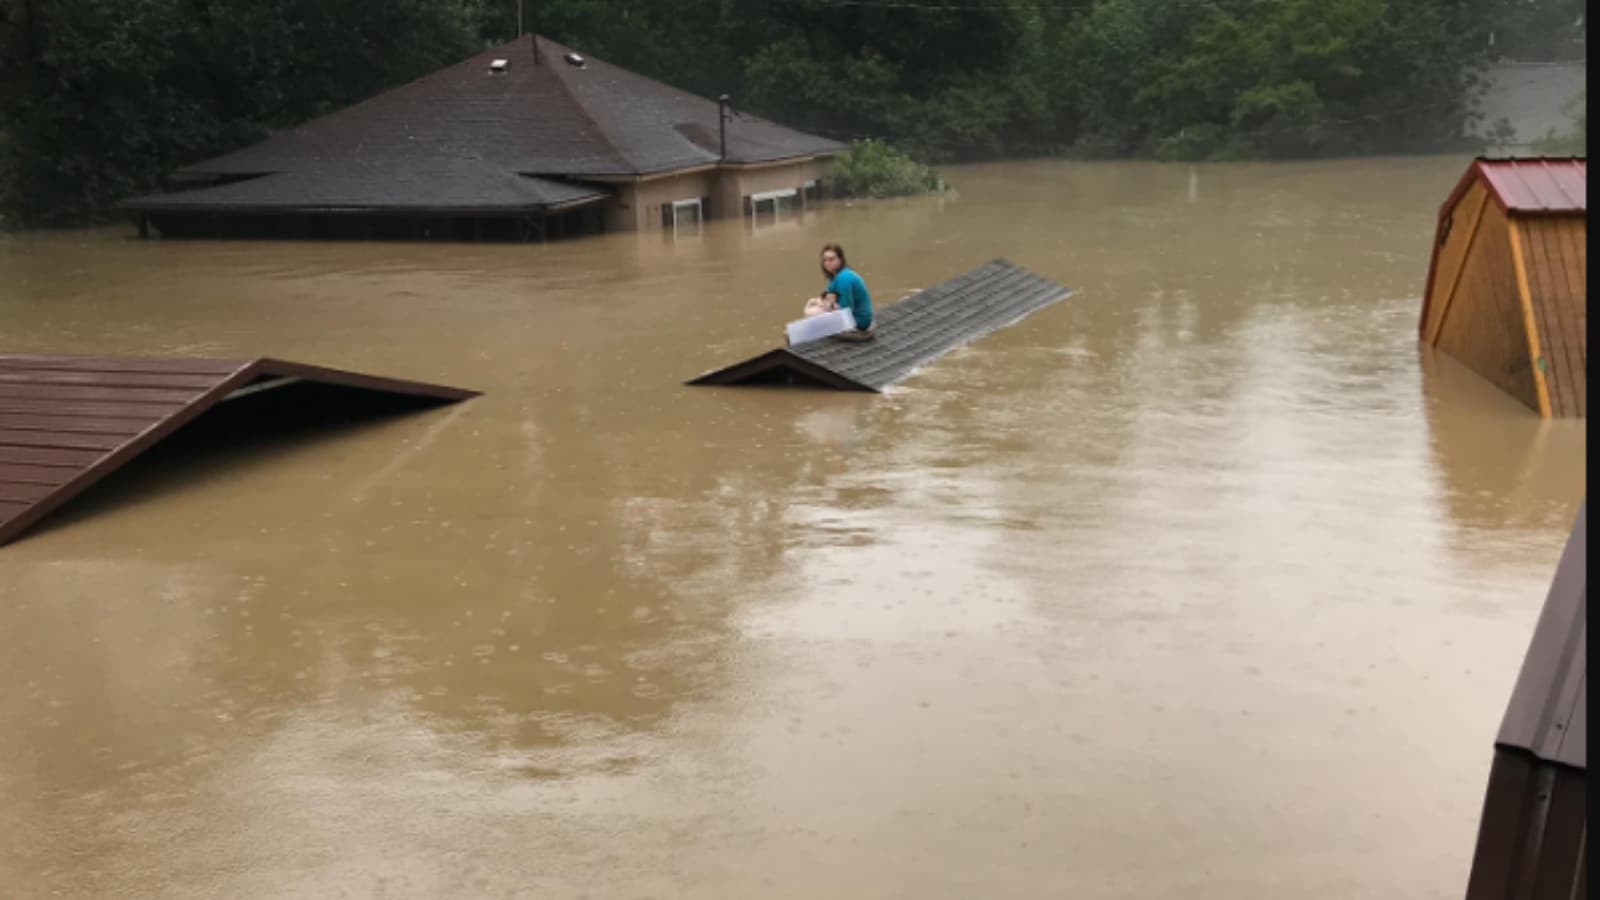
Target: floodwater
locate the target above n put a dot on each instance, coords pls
(1204, 583)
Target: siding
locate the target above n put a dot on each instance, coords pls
(1450, 255)
(1555, 258)
(638, 204)
(1482, 323)
(738, 184)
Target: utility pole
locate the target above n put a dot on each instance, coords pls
(722, 127)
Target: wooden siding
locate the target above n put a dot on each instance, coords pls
(1450, 253)
(1481, 321)
(1554, 256)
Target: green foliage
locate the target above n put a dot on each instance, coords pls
(103, 98)
(875, 169)
(99, 98)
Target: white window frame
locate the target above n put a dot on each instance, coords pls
(773, 195)
(700, 217)
(757, 199)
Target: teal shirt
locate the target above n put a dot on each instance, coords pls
(852, 294)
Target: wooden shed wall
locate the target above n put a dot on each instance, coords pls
(1553, 253)
(1481, 320)
(1450, 255)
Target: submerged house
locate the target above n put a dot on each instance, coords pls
(1507, 290)
(524, 141)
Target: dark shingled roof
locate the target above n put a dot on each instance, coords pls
(909, 334)
(478, 131)
(461, 185)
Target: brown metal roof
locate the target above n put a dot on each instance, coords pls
(68, 421)
(1533, 832)
(1548, 712)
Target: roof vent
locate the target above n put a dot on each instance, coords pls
(497, 67)
(573, 59)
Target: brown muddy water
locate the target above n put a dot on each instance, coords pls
(1204, 583)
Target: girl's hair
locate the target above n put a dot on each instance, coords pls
(837, 251)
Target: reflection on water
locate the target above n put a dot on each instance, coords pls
(1504, 470)
(1142, 597)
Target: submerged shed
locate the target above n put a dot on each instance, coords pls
(67, 422)
(1507, 285)
(1533, 836)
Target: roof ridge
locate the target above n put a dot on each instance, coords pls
(559, 78)
(676, 106)
(589, 120)
(1547, 192)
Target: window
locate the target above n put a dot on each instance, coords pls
(683, 217)
(772, 207)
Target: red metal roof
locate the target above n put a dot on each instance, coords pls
(1536, 185)
(1533, 186)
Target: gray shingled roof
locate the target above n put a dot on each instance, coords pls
(654, 128)
(458, 186)
(909, 334)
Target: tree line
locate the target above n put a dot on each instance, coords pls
(100, 98)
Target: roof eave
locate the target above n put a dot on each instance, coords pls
(333, 209)
(670, 171)
(780, 160)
